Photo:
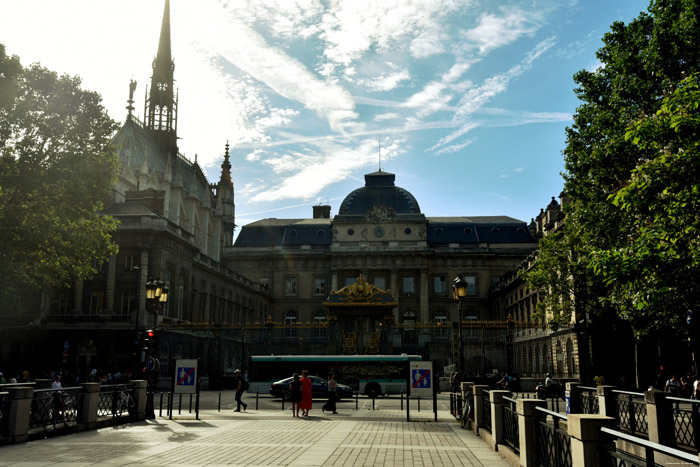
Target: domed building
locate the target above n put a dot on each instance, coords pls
(379, 236)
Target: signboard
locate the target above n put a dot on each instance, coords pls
(421, 379)
(66, 345)
(186, 377)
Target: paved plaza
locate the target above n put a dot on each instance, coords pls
(361, 437)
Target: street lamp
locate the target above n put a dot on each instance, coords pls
(156, 296)
(459, 292)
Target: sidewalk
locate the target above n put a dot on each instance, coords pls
(267, 438)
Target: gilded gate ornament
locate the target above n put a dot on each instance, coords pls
(359, 291)
(350, 343)
(372, 346)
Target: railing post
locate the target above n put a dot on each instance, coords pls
(587, 440)
(573, 398)
(527, 426)
(606, 401)
(659, 417)
(497, 403)
(140, 398)
(478, 406)
(18, 418)
(87, 412)
(466, 387)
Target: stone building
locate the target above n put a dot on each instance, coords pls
(381, 235)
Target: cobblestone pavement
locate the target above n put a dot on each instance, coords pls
(266, 438)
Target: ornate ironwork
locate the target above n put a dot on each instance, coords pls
(511, 429)
(486, 410)
(686, 423)
(372, 346)
(115, 400)
(350, 343)
(52, 408)
(589, 403)
(553, 444)
(361, 291)
(631, 414)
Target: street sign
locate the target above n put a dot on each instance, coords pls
(152, 363)
(186, 377)
(421, 379)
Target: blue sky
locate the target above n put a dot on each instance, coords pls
(468, 100)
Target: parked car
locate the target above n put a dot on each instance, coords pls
(319, 389)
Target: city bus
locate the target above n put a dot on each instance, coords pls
(372, 375)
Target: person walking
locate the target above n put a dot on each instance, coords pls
(332, 385)
(295, 390)
(306, 395)
(240, 387)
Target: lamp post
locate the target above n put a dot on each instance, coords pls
(459, 292)
(156, 296)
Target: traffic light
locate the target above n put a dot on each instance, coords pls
(149, 340)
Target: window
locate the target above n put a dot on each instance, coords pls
(96, 302)
(290, 285)
(319, 286)
(265, 283)
(349, 280)
(180, 296)
(471, 284)
(409, 332)
(63, 303)
(128, 302)
(130, 263)
(320, 330)
(439, 285)
(380, 283)
(409, 285)
(290, 320)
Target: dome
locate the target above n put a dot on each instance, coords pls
(380, 191)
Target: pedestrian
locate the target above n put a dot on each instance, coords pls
(56, 382)
(673, 385)
(306, 395)
(240, 387)
(295, 390)
(2, 378)
(332, 385)
(696, 389)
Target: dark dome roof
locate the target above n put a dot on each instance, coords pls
(379, 189)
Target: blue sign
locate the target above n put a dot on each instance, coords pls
(420, 378)
(151, 363)
(185, 376)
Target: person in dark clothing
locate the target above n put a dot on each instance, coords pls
(332, 385)
(240, 387)
(295, 390)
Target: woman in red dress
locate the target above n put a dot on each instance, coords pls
(305, 405)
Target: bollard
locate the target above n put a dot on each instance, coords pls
(190, 403)
(402, 401)
(357, 401)
(257, 396)
(373, 399)
(169, 409)
(179, 405)
(160, 410)
(220, 403)
(419, 403)
(282, 402)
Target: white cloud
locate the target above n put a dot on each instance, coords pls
(388, 81)
(386, 116)
(496, 31)
(454, 147)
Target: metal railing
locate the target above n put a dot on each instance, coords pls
(686, 420)
(55, 408)
(620, 458)
(631, 412)
(115, 400)
(511, 430)
(589, 400)
(4, 411)
(486, 410)
(553, 443)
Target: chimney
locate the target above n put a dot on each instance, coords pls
(322, 212)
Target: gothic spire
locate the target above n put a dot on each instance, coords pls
(226, 169)
(161, 103)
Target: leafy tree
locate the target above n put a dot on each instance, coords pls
(653, 273)
(639, 62)
(56, 166)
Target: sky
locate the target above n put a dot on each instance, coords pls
(466, 101)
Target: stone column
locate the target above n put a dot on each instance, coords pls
(424, 292)
(573, 398)
(140, 398)
(659, 417)
(586, 438)
(606, 401)
(110, 286)
(18, 416)
(87, 412)
(528, 418)
(497, 403)
(479, 394)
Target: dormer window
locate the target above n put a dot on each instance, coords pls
(162, 86)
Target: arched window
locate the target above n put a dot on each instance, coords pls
(290, 321)
(320, 330)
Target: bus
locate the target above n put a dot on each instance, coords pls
(372, 375)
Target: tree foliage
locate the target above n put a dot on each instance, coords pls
(56, 167)
(639, 62)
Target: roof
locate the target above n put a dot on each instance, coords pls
(379, 192)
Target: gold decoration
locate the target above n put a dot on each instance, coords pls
(372, 347)
(350, 343)
(360, 291)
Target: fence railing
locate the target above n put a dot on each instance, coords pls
(618, 458)
(686, 422)
(486, 407)
(116, 400)
(4, 412)
(631, 410)
(511, 431)
(52, 408)
(589, 400)
(553, 442)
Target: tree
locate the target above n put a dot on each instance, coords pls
(652, 274)
(56, 167)
(639, 62)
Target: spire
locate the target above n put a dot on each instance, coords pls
(130, 107)
(161, 103)
(226, 169)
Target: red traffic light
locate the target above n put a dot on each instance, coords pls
(150, 333)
